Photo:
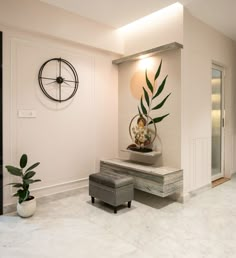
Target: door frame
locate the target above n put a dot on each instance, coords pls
(1, 123)
(222, 69)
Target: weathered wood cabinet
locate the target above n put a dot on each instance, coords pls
(160, 181)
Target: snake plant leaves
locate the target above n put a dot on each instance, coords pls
(162, 103)
(146, 96)
(161, 87)
(32, 167)
(143, 107)
(148, 82)
(23, 160)
(158, 119)
(158, 71)
(14, 171)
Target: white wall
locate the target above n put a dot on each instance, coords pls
(67, 138)
(168, 130)
(38, 17)
(202, 46)
(157, 29)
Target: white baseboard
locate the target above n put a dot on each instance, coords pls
(9, 208)
(180, 197)
(200, 190)
(185, 197)
(53, 192)
(59, 188)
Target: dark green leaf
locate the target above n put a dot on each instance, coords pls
(158, 71)
(14, 170)
(16, 184)
(16, 194)
(161, 87)
(33, 166)
(29, 174)
(23, 195)
(162, 103)
(143, 107)
(37, 180)
(146, 96)
(158, 119)
(23, 161)
(148, 82)
(30, 181)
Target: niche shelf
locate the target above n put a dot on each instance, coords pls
(148, 53)
(147, 154)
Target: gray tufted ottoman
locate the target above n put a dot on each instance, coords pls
(111, 188)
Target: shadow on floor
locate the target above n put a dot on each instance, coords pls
(151, 200)
(109, 208)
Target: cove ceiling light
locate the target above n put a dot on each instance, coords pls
(165, 12)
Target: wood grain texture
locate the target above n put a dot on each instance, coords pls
(162, 181)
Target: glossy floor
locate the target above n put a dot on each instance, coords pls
(205, 227)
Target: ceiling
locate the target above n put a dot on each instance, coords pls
(219, 14)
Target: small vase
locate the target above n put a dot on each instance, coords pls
(27, 208)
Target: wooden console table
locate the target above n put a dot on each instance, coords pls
(160, 181)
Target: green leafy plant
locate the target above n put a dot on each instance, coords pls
(26, 177)
(147, 107)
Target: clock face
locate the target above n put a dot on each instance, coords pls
(58, 79)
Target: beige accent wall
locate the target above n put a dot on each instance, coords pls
(202, 46)
(169, 130)
(70, 138)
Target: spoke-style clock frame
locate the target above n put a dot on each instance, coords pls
(58, 79)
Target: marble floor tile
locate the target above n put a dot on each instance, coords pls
(71, 227)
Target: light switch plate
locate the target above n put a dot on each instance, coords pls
(26, 113)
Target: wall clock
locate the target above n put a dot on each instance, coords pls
(58, 79)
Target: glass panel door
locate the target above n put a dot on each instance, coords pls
(217, 123)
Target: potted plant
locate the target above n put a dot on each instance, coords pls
(26, 204)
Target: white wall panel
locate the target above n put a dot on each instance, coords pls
(68, 138)
(200, 163)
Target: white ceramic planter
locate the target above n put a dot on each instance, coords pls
(26, 208)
